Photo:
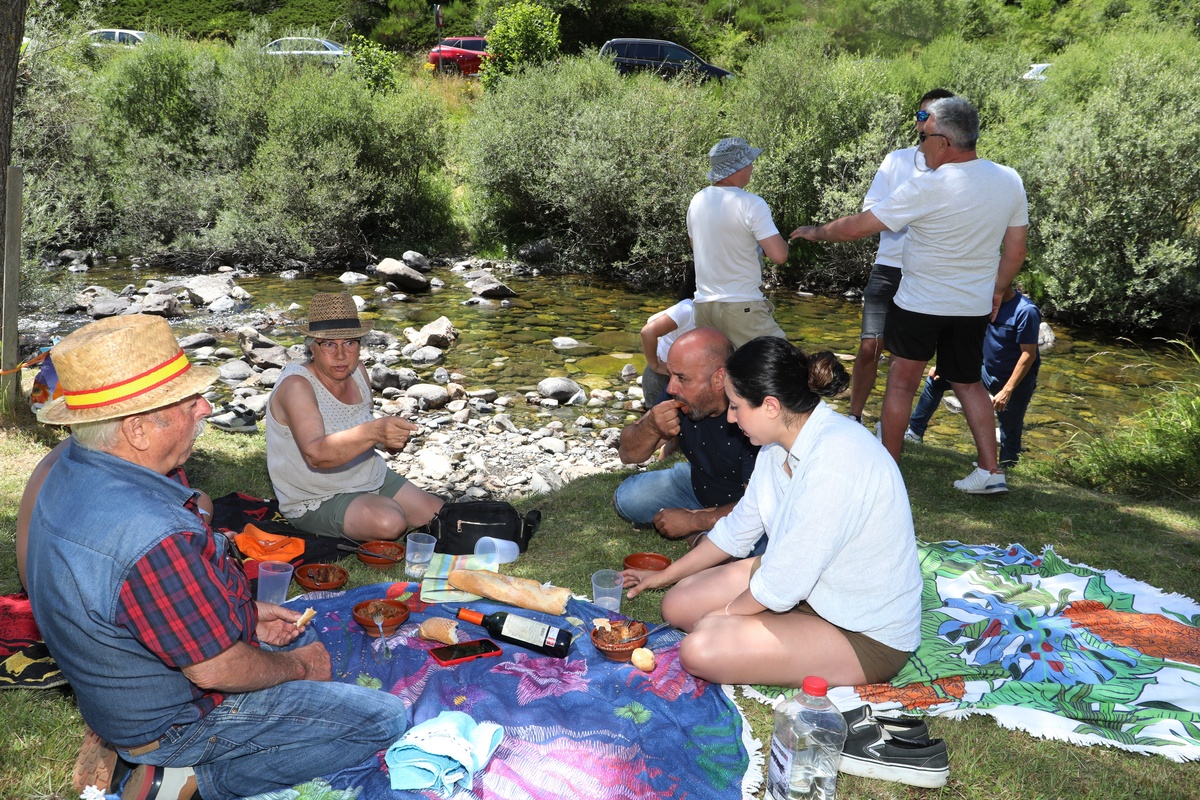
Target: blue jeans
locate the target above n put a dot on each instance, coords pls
(641, 496)
(1011, 419)
(275, 738)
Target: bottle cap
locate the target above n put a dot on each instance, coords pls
(817, 687)
(474, 617)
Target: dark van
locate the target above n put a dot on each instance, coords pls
(665, 58)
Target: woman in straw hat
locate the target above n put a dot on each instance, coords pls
(322, 435)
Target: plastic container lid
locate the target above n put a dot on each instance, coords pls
(817, 687)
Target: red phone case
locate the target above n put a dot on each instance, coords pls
(449, 655)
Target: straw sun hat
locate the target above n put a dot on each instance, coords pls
(333, 316)
(119, 366)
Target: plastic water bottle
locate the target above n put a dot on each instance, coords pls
(806, 745)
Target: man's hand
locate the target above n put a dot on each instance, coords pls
(394, 432)
(676, 523)
(808, 232)
(1000, 401)
(639, 580)
(664, 418)
(277, 624)
(315, 659)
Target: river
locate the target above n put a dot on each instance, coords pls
(1089, 381)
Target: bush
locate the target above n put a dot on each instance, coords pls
(525, 34)
(604, 164)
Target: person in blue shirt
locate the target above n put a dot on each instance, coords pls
(1009, 373)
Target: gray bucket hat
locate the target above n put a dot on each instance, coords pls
(728, 156)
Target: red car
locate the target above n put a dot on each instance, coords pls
(461, 54)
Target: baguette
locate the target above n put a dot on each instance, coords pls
(439, 629)
(308, 614)
(519, 592)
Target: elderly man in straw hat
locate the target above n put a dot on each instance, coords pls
(728, 228)
(322, 435)
(172, 661)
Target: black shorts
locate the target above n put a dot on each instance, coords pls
(956, 341)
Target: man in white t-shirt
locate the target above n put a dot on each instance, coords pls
(967, 220)
(898, 167)
(728, 228)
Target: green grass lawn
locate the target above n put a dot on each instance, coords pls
(1156, 542)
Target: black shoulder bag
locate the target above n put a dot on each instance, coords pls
(458, 526)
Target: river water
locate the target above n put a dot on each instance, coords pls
(1088, 382)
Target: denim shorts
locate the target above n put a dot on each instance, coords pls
(877, 297)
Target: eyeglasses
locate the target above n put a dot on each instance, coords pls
(922, 115)
(333, 345)
(922, 136)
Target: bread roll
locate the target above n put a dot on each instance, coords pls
(643, 659)
(308, 614)
(519, 592)
(439, 629)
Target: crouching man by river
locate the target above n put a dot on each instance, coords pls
(153, 624)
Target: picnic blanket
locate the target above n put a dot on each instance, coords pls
(582, 726)
(1059, 650)
(25, 661)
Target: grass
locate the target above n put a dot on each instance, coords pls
(1154, 541)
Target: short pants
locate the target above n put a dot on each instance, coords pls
(877, 297)
(329, 518)
(740, 321)
(956, 341)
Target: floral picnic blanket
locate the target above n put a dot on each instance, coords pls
(578, 727)
(1059, 650)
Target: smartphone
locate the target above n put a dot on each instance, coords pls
(464, 651)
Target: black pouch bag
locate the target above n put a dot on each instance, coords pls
(458, 526)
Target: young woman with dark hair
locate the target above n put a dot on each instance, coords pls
(838, 591)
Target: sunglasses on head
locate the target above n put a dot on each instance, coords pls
(922, 115)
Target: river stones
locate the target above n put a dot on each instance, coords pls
(402, 275)
(415, 260)
(560, 389)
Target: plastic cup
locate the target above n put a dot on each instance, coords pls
(417, 554)
(606, 589)
(274, 577)
(497, 551)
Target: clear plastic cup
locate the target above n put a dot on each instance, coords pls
(417, 554)
(274, 577)
(607, 585)
(497, 551)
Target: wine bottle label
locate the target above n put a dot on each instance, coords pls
(529, 631)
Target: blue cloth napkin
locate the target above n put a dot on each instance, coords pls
(442, 752)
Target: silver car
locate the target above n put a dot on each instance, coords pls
(307, 47)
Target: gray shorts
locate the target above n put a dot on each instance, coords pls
(881, 288)
(329, 518)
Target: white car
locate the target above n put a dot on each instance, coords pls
(306, 46)
(122, 37)
(1037, 72)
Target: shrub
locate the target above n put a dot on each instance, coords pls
(605, 164)
(525, 34)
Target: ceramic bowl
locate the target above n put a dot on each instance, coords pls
(618, 652)
(320, 577)
(392, 549)
(646, 561)
(392, 619)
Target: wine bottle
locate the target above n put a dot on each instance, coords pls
(521, 631)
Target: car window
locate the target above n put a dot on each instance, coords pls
(474, 44)
(677, 55)
(617, 50)
(105, 36)
(128, 38)
(450, 43)
(648, 51)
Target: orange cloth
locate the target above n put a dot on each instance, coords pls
(263, 546)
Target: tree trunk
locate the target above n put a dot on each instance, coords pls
(12, 30)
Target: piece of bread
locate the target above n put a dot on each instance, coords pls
(519, 592)
(308, 614)
(643, 659)
(439, 629)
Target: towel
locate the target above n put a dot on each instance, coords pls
(436, 588)
(442, 752)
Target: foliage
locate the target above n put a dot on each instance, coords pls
(1156, 454)
(376, 65)
(525, 35)
(605, 164)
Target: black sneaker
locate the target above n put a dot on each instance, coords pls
(891, 758)
(862, 720)
(237, 419)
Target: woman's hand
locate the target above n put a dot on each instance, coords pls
(639, 580)
(277, 624)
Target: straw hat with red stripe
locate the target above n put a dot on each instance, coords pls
(119, 366)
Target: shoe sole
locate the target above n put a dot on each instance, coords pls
(235, 428)
(924, 777)
(96, 764)
(985, 490)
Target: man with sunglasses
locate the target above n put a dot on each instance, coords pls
(898, 167)
(967, 220)
(322, 437)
